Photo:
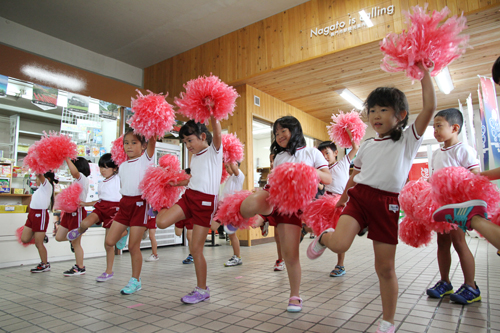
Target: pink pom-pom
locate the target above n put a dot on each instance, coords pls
(228, 211)
(225, 175)
(19, 233)
(69, 199)
(207, 96)
(292, 187)
(456, 184)
(232, 148)
(153, 116)
(343, 121)
(170, 161)
(322, 214)
(416, 200)
(425, 41)
(118, 154)
(414, 233)
(50, 152)
(32, 162)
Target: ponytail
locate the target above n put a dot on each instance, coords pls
(51, 178)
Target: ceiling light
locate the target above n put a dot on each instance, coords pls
(53, 79)
(443, 81)
(365, 18)
(351, 98)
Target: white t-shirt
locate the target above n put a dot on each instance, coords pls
(132, 172)
(340, 175)
(206, 170)
(109, 189)
(84, 183)
(385, 164)
(41, 198)
(457, 155)
(233, 184)
(310, 156)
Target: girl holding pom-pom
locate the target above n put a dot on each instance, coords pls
(79, 170)
(105, 209)
(380, 171)
(199, 202)
(289, 146)
(38, 218)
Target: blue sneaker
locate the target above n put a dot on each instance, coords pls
(132, 286)
(466, 295)
(123, 241)
(188, 260)
(440, 289)
(230, 229)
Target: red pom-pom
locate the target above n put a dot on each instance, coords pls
(153, 116)
(414, 233)
(19, 233)
(424, 41)
(292, 187)
(50, 152)
(416, 200)
(69, 199)
(207, 96)
(232, 148)
(32, 162)
(225, 175)
(170, 161)
(118, 154)
(228, 211)
(341, 122)
(322, 214)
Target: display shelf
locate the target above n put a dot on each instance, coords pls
(28, 133)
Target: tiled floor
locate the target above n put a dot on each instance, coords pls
(248, 298)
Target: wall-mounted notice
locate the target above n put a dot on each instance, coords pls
(44, 97)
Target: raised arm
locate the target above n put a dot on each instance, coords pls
(40, 179)
(492, 174)
(216, 133)
(150, 150)
(72, 168)
(355, 146)
(234, 168)
(429, 103)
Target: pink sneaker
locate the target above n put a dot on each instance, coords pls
(315, 249)
(385, 327)
(461, 213)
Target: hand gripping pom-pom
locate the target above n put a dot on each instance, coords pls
(225, 175)
(292, 187)
(322, 214)
(339, 125)
(414, 233)
(69, 199)
(232, 148)
(118, 154)
(228, 211)
(153, 116)
(424, 41)
(207, 96)
(19, 233)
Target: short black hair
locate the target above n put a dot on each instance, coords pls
(139, 137)
(327, 144)
(82, 165)
(193, 128)
(495, 71)
(107, 162)
(452, 116)
(297, 139)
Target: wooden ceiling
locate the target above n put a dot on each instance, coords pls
(310, 86)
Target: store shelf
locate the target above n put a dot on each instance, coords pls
(22, 152)
(5, 178)
(30, 133)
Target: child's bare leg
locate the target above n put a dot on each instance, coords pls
(42, 251)
(61, 234)
(167, 217)
(340, 259)
(235, 243)
(384, 266)
(341, 239)
(444, 256)
(27, 235)
(278, 243)
(488, 229)
(256, 203)
(77, 246)
(134, 247)
(466, 258)
(115, 233)
(87, 222)
(214, 226)
(110, 255)
(154, 244)
(189, 235)
(290, 241)
(196, 247)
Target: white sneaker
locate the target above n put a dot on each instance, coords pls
(152, 257)
(279, 265)
(234, 261)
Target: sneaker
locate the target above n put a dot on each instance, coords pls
(385, 327)
(461, 214)
(466, 295)
(45, 239)
(188, 260)
(265, 229)
(73, 234)
(104, 277)
(440, 289)
(230, 229)
(363, 232)
(41, 268)
(315, 249)
(74, 271)
(132, 286)
(152, 257)
(123, 241)
(279, 265)
(294, 307)
(234, 261)
(196, 296)
(338, 271)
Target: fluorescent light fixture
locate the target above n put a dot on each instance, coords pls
(443, 81)
(365, 18)
(351, 98)
(53, 79)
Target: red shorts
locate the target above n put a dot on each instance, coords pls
(376, 209)
(72, 220)
(276, 218)
(132, 212)
(38, 220)
(106, 211)
(151, 223)
(199, 207)
(188, 223)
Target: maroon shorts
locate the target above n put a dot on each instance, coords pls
(376, 209)
(199, 207)
(188, 223)
(38, 220)
(151, 223)
(72, 220)
(106, 211)
(132, 212)
(276, 218)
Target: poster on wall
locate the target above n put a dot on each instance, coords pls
(488, 102)
(108, 110)
(78, 103)
(44, 97)
(3, 85)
